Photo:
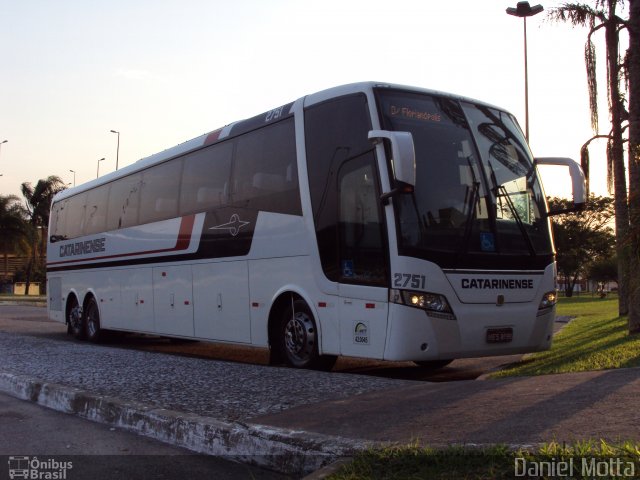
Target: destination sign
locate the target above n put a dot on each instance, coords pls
(414, 114)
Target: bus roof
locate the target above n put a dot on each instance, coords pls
(242, 126)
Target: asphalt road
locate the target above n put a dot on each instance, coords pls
(32, 320)
(54, 438)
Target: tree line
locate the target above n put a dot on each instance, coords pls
(605, 18)
(585, 242)
(23, 225)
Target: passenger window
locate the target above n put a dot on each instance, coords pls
(205, 179)
(159, 195)
(265, 170)
(58, 222)
(123, 202)
(75, 215)
(95, 215)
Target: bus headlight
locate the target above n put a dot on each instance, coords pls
(549, 299)
(434, 304)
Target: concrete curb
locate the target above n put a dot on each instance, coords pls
(291, 452)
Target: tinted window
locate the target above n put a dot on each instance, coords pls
(95, 215)
(123, 202)
(205, 179)
(265, 175)
(335, 131)
(58, 220)
(75, 215)
(159, 196)
(362, 258)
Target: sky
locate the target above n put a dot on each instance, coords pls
(164, 71)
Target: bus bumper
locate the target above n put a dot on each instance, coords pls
(484, 331)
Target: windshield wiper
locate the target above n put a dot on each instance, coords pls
(518, 220)
(471, 204)
(500, 188)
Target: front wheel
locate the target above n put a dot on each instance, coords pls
(298, 338)
(92, 322)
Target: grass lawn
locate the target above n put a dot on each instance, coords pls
(23, 298)
(497, 462)
(596, 339)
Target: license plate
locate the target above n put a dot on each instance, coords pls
(499, 335)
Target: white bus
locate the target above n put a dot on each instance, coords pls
(367, 220)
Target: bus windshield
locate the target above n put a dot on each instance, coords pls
(477, 201)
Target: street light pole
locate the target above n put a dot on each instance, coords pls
(74, 177)
(98, 169)
(524, 10)
(118, 149)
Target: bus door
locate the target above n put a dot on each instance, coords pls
(345, 196)
(363, 302)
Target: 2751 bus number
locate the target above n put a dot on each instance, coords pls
(404, 280)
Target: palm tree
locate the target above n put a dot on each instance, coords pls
(633, 62)
(603, 16)
(13, 229)
(38, 204)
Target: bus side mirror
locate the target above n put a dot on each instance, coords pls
(403, 155)
(578, 185)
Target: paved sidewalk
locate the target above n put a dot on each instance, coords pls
(294, 420)
(515, 411)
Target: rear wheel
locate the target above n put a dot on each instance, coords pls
(298, 338)
(92, 321)
(75, 320)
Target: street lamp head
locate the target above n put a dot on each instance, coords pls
(523, 9)
(117, 148)
(4, 141)
(72, 171)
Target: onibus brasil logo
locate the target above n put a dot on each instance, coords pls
(37, 469)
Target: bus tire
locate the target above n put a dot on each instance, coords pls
(75, 319)
(434, 364)
(298, 338)
(93, 331)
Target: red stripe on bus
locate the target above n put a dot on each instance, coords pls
(213, 137)
(182, 243)
(184, 234)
